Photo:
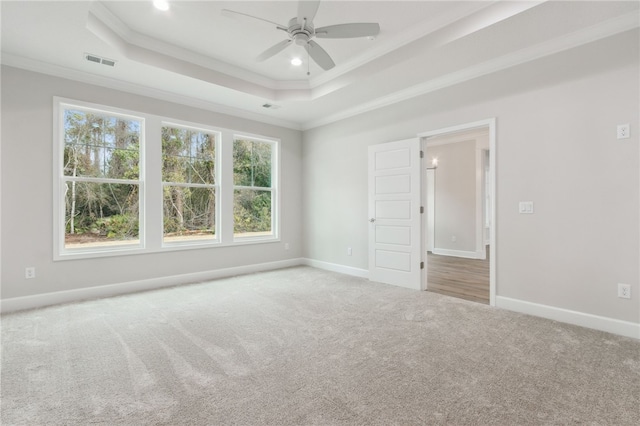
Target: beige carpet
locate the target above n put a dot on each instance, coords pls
(304, 346)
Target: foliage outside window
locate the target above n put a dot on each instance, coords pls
(253, 198)
(188, 184)
(107, 203)
(100, 179)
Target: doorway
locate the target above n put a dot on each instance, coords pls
(459, 220)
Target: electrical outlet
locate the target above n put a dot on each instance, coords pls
(623, 131)
(454, 238)
(349, 251)
(286, 246)
(29, 272)
(624, 291)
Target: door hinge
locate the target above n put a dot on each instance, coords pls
(421, 154)
(421, 265)
(421, 209)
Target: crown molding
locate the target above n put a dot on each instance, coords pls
(596, 32)
(132, 38)
(138, 47)
(590, 34)
(411, 34)
(442, 30)
(138, 89)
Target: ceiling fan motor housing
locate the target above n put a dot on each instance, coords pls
(300, 34)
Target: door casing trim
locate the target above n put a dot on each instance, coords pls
(491, 124)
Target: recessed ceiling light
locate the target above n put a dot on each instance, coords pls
(162, 5)
(296, 62)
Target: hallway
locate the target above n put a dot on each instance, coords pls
(459, 277)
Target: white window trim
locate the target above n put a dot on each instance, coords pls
(150, 181)
(59, 179)
(275, 198)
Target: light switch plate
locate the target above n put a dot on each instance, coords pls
(525, 207)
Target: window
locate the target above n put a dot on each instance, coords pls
(100, 194)
(186, 186)
(189, 184)
(254, 189)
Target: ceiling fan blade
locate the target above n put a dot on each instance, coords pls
(320, 56)
(243, 17)
(348, 30)
(273, 50)
(307, 9)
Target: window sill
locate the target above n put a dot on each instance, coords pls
(164, 248)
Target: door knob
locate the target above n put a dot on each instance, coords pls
(372, 220)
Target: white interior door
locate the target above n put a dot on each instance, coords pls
(395, 240)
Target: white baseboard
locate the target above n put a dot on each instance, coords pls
(47, 299)
(623, 328)
(459, 253)
(334, 267)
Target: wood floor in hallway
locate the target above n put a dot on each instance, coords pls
(458, 277)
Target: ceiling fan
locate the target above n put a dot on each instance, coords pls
(301, 31)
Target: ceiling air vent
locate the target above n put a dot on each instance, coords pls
(98, 60)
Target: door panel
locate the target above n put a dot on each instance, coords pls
(392, 184)
(399, 235)
(393, 260)
(393, 159)
(395, 250)
(393, 209)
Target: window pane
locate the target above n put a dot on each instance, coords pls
(101, 214)
(251, 213)
(252, 163)
(189, 213)
(188, 156)
(101, 146)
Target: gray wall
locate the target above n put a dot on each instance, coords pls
(455, 195)
(27, 117)
(556, 146)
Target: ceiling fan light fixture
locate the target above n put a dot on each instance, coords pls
(296, 62)
(162, 5)
(302, 31)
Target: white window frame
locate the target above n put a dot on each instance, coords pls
(216, 186)
(59, 179)
(274, 189)
(151, 229)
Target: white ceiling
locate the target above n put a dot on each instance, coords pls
(195, 55)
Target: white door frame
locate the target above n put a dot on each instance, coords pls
(491, 124)
(429, 207)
